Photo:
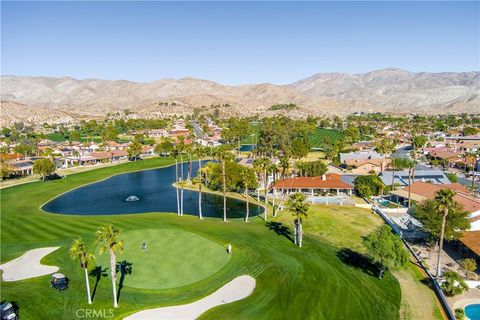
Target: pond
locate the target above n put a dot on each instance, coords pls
(155, 194)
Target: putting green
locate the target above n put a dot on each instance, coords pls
(173, 258)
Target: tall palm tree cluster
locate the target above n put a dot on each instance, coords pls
(107, 239)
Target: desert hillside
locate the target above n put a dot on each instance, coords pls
(387, 90)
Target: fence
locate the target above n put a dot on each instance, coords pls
(438, 291)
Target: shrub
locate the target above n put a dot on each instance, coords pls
(470, 266)
(454, 284)
(460, 314)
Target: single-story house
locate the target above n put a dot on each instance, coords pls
(331, 182)
(420, 191)
(434, 176)
(367, 166)
(360, 155)
(22, 167)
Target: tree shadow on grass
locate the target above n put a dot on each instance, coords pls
(280, 229)
(359, 261)
(98, 273)
(125, 268)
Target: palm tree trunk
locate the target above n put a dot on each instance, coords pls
(411, 173)
(181, 165)
(473, 181)
(224, 192)
(273, 202)
(176, 181)
(248, 204)
(295, 231)
(113, 264)
(440, 245)
(266, 191)
(189, 173)
(393, 175)
(200, 188)
(300, 233)
(89, 299)
(181, 200)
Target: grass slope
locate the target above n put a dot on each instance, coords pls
(344, 227)
(292, 283)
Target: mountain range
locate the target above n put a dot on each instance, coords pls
(388, 90)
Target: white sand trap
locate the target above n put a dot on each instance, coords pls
(237, 289)
(28, 265)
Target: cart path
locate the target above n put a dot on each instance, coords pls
(237, 289)
(28, 265)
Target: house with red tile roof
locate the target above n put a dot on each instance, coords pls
(326, 183)
(421, 191)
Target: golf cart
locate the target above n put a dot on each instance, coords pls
(59, 282)
(7, 311)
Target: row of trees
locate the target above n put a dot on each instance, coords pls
(107, 240)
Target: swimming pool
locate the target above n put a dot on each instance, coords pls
(383, 202)
(472, 311)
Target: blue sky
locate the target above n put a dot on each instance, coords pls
(236, 42)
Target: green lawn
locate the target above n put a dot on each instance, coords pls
(341, 226)
(321, 135)
(344, 227)
(253, 129)
(173, 258)
(313, 282)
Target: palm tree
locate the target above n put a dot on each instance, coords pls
(188, 149)
(182, 184)
(397, 164)
(174, 154)
(79, 251)
(266, 163)
(108, 239)
(474, 155)
(298, 206)
(444, 202)
(223, 154)
(181, 149)
(257, 167)
(411, 179)
(200, 152)
(285, 164)
(245, 178)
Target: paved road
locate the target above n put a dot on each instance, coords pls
(197, 130)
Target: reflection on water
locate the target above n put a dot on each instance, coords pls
(153, 188)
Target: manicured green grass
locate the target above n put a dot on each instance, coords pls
(321, 135)
(173, 258)
(312, 282)
(341, 226)
(253, 129)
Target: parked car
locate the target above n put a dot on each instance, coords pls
(59, 282)
(7, 311)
